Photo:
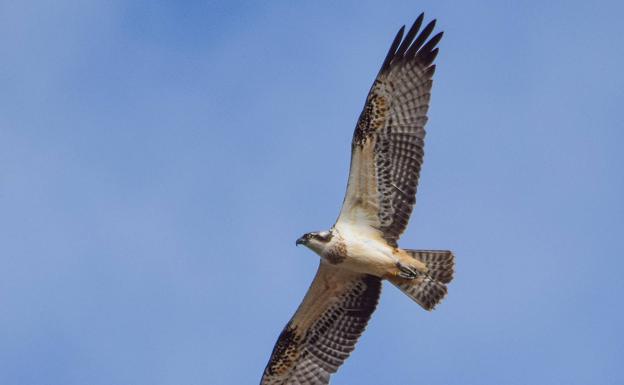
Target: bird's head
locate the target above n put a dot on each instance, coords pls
(316, 241)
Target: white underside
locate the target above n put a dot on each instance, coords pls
(367, 252)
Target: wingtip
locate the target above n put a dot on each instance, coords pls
(400, 33)
(420, 18)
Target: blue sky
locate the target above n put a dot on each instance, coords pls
(159, 159)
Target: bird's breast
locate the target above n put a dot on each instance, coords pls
(362, 255)
(336, 253)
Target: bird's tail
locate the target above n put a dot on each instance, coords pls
(429, 288)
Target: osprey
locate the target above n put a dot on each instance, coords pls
(361, 249)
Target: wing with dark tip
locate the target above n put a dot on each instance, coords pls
(388, 143)
(325, 328)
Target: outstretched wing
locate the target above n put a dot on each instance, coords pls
(325, 328)
(387, 147)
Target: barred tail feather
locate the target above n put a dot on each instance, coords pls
(439, 262)
(426, 291)
(429, 288)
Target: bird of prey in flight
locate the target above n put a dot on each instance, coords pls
(361, 249)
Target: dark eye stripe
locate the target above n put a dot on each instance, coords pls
(324, 238)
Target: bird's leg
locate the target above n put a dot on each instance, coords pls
(405, 271)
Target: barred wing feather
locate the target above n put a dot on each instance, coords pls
(388, 143)
(325, 328)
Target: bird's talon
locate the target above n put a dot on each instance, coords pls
(405, 271)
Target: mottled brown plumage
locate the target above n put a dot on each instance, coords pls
(336, 254)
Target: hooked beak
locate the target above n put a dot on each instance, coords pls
(300, 241)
